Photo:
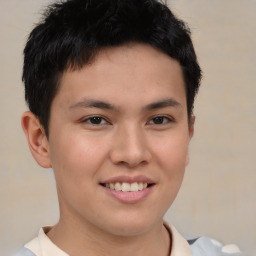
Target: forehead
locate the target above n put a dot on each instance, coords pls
(131, 70)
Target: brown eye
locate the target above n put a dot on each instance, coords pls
(95, 120)
(158, 120)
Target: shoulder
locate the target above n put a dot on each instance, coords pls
(205, 246)
(32, 248)
(24, 252)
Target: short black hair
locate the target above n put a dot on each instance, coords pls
(72, 32)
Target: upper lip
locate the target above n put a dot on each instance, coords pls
(128, 179)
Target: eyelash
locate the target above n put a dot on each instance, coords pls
(97, 118)
(163, 120)
(160, 118)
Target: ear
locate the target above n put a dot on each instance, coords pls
(37, 140)
(191, 133)
(191, 126)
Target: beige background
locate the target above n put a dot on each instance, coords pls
(218, 194)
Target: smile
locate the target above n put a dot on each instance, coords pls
(126, 187)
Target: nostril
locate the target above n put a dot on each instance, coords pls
(130, 149)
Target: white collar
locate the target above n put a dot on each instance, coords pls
(179, 245)
(43, 246)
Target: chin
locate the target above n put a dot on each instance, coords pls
(130, 226)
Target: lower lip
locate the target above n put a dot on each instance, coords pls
(129, 197)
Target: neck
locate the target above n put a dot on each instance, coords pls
(79, 239)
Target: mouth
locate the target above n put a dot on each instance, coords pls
(127, 187)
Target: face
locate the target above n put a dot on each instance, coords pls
(118, 139)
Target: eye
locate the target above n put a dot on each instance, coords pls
(95, 120)
(160, 120)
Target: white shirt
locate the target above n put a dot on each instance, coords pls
(43, 246)
(203, 246)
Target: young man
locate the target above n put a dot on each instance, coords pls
(110, 85)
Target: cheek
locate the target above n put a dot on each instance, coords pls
(77, 155)
(171, 153)
(172, 158)
(77, 161)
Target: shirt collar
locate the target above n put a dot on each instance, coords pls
(179, 245)
(43, 246)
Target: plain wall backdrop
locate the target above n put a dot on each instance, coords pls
(218, 194)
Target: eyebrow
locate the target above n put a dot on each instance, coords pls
(90, 103)
(162, 104)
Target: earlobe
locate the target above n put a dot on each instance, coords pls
(191, 126)
(37, 140)
(191, 133)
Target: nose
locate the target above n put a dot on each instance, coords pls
(130, 148)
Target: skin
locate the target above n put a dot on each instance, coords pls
(132, 136)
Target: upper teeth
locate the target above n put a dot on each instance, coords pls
(127, 187)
